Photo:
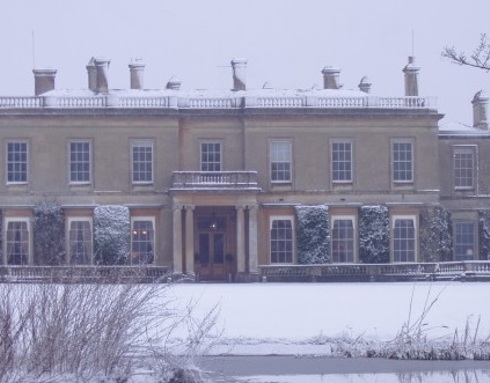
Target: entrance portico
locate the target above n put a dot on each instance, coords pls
(215, 230)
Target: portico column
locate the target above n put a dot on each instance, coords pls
(252, 239)
(240, 239)
(177, 238)
(189, 239)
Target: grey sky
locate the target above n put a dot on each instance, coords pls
(287, 43)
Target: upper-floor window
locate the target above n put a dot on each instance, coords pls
(280, 160)
(464, 240)
(464, 168)
(402, 161)
(80, 243)
(404, 239)
(342, 161)
(142, 161)
(80, 167)
(17, 241)
(281, 240)
(17, 162)
(343, 239)
(210, 156)
(142, 241)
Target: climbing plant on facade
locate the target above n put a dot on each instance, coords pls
(435, 234)
(112, 234)
(49, 233)
(374, 239)
(312, 234)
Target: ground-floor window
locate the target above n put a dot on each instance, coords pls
(80, 241)
(464, 240)
(343, 240)
(142, 241)
(404, 239)
(17, 241)
(282, 242)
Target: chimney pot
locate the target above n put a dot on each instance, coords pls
(365, 85)
(480, 110)
(102, 67)
(174, 83)
(331, 77)
(92, 75)
(44, 80)
(239, 67)
(136, 70)
(411, 81)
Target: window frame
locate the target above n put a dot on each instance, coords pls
(273, 174)
(28, 222)
(291, 240)
(24, 172)
(202, 143)
(474, 234)
(153, 239)
(69, 221)
(394, 220)
(143, 143)
(333, 162)
(90, 162)
(395, 162)
(465, 149)
(353, 221)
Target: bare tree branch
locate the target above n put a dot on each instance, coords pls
(480, 58)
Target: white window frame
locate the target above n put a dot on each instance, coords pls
(293, 238)
(413, 218)
(333, 162)
(470, 253)
(394, 161)
(201, 153)
(142, 143)
(143, 219)
(274, 159)
(68, 240)
(353, 219)
(90, 161)
(7, 162)
(7, 221)
(458, 150)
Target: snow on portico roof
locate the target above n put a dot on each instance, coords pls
(454, 128)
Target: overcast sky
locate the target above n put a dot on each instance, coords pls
(287, 43)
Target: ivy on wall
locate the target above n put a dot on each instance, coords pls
(49, 233)
(312, 234)
(484, 234)
(435, 234)
(112, 234)
(374, 239)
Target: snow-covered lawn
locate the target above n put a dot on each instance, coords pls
(301, 318)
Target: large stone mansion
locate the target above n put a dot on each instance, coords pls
(221, 183)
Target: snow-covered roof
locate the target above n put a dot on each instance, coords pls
(453, 128)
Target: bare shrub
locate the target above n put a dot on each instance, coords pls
(90, 332)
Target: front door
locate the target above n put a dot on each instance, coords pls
(211, 255)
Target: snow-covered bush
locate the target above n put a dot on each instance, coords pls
(112, 234)
(435, 234)
(484, 234)
(312, 234)
(374, 229)
(49, 233)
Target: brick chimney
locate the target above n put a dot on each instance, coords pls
(137, 70)
(239, 67)
(102, 68)
(480, 110)
(44, 80)
(331, 77)
(411, 81)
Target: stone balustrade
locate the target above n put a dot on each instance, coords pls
(124, 101)
(190, 180)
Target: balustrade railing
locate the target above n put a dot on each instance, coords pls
(215, 180)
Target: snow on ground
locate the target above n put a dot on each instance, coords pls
(297, 318)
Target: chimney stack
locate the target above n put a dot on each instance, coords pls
(174, 83)
(136, 70)
(411, 82)
(92, 75)
(239, 67)
(102, 68)
(331, 78)
(480, 110)
(365, 85)
(44, 80)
